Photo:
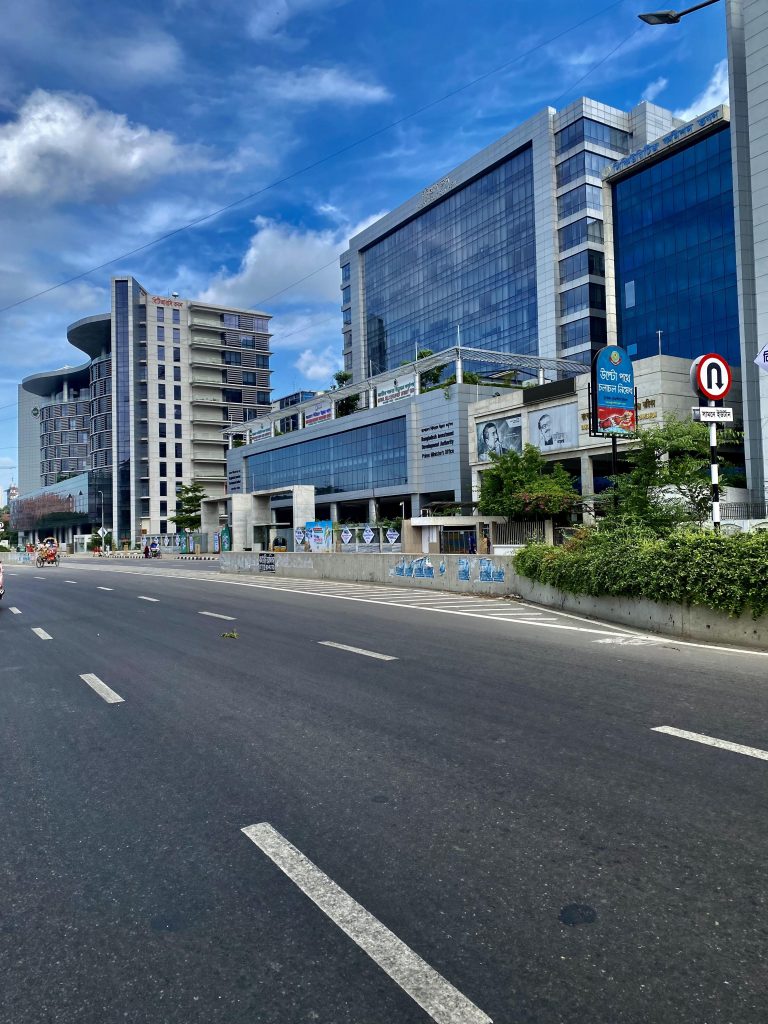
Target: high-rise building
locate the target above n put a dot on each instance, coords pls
(670, 245)
(505, 253)
(144, 414)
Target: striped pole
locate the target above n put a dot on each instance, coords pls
(715, 471)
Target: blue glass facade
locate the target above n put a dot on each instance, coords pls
(469, 260)
(353, 460)
(676, 255)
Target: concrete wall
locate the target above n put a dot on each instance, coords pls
(495, 577)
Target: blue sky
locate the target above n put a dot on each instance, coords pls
(120, 124)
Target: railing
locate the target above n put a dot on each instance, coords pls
(744, 510)
(517, 532)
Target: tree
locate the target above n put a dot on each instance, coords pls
(668, 483)
(344, 406)
(525, 486)
(188, 499)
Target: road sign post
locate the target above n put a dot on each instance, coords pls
(711, 378)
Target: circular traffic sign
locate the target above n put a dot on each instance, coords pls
(711, 376)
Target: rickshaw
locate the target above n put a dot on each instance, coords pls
(48, 553)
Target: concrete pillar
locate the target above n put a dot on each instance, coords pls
(587, 485)
(334, 510)
(372, 517)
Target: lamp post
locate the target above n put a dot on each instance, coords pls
(101, 494)
(672, 17)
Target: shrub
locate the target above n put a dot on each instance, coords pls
(728, 574)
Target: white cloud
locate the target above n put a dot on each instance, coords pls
(65, 147)
(715, 93)
(6, 462)
(653, 89)
(312, 85)
(271, 17)
(319, 367)
(279, 254)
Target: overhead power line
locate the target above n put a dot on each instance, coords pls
(311, 166)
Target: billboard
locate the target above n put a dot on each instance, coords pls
(319, 535)
(318, 412)
(259, 429)
(613, 392)
(495, 437)
(554, 427)
(395, 389)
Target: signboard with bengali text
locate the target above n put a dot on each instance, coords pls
(613, 393)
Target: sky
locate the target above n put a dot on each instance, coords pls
(117, 128)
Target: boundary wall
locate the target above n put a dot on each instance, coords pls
(494, 576)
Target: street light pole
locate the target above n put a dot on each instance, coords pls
(673, 17)
(101, 493)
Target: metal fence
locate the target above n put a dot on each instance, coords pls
(743, 510)
(517, 532)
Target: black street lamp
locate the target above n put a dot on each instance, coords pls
(672, 17)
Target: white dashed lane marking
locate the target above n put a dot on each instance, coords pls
(102, 689)
(711, 741)
(38, 631)
(430, 990)
(104, 588)
(14, 610)
(142, 598)
(215, 615)
(357, 650)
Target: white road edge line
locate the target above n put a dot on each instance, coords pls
(14, 610)
(41, 633)
(612, 628)
(711, 741)
(444, 1003)
(102, 689)
(357, 650)
(142, 598)
(215, 615)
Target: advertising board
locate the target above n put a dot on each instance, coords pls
(613, 393)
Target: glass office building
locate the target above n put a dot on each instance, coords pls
(466, 266)
(505, 253)
(360, 459)
(675, 251)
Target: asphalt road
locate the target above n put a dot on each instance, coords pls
(501, 770)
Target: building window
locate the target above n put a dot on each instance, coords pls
(588, 229)
(346, 272)
(588, 261)
(162, 449)
(163, 488)
(346, 295)
(161, 371)
(177, 392)
(163, 526)
(177, 430)
(179, 470)
(177, 334)
(231, 358)
(161, 353)
(249, 378)
(178, 450)
(177, 373)
(161, 390)
(177, 412)
(590, 329)
(160, 332)
(346, 316)
(176, 316)
(587, 130)
(161, 430)
(163, 508)
(579, 165)
(233, 395)
(263, 397)
(161, 410)
(248, 341)
(160, 313)
(581, 198)
(162, 469)
(177, 355)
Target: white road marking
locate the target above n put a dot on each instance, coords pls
(711, 741)
(631, 641)
(14, 610)
(39, 577)
(444, 1003)
(102, 689)
(215, 615)
(155, 599)
(41, 633)
(357, 650)
(105, 588)
(70, 581)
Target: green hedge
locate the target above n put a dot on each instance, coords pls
(729, 574)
